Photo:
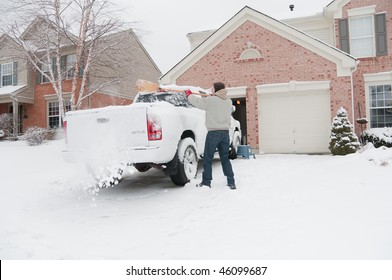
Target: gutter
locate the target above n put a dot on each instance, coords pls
(352, 93)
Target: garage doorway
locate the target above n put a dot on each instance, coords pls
(294, 118)
(240, 115)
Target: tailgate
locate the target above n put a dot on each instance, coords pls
(112, 128)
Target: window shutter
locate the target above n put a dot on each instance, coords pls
(381, 34)
(81, 68)
(38, 75)
(344, 38)
(54, 67)
(63, 62)
(15, 73)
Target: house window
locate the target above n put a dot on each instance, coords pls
(7, 71)
(364, 33)
(71, 60)
(54, 112)
(250, 54)
(362, 43)
(380, 106)
(45, 69)
(67, 69)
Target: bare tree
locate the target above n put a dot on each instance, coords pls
(59, 25)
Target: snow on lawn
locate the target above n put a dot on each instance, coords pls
(285, 207)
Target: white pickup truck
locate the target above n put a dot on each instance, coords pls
(161, 130)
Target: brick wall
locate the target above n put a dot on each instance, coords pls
(3, 108)
(98, 100)
(282, 61)
(37, 113)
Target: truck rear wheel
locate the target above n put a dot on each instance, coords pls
(187, 164)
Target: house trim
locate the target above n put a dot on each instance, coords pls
(54, 97)
(335, 8)
(369, 10)
(374, 79)
(12, 93)
(293, 86)
(378, 77)
(237, 92)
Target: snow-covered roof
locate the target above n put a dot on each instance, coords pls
(11, 90)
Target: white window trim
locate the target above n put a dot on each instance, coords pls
(363, 11)
(12, 74)
(53, 98)
(250, 54)
(68, 67)
(45, 69)
(373, 54)
(376, 79)
(236, 92)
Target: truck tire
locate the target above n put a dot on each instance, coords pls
(187, 164)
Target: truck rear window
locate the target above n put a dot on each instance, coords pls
(177, 99)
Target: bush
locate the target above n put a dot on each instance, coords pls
(6, 124)
(37, 135)
(343, 139)
(378, 137)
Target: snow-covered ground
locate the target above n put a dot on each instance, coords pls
(285, 207)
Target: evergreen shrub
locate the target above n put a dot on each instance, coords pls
(343, 140)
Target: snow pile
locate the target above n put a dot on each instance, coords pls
(182, 88)
(378, 136)
(380, 156)
(323, 208)
(173, 98)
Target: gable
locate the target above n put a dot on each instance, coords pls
(9, 49)
(344, 62)
(335, 8)
(41, 33)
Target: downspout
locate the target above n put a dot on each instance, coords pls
(15, 114)
(352, 93)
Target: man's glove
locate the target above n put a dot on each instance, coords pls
(188, 92)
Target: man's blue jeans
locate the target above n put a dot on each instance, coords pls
(217, 139)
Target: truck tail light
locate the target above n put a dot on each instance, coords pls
(154, 128)
(65, 131)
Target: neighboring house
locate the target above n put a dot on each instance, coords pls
(16, 79)
(288, 79)
(24, 87)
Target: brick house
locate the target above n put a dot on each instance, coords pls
(26, 89)
(288, 78)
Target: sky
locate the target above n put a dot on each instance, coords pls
(162, 26)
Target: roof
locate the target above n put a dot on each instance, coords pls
(41, 21)
(11, 90)
(334, 9)
(344, 62)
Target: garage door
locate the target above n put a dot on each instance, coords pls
(295, 121)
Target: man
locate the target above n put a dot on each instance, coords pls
(218, 117)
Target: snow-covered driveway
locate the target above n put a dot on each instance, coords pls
(285, 207)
